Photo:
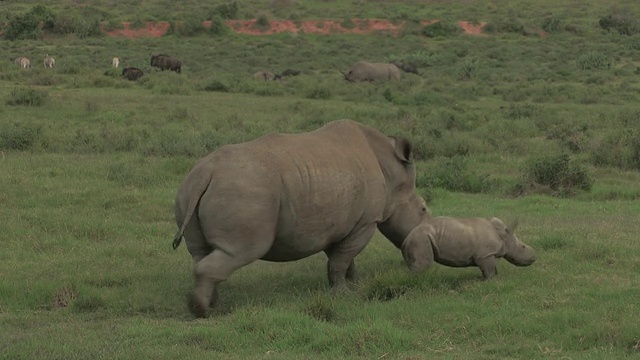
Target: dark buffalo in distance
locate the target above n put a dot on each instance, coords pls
(131, 73)
(166, 62)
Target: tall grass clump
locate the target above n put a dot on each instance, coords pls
(622, 21)
(556, 174)
(27, 97)
(441, 29)
(19, 136)
(620, 148)
(454, 174)
(594, 60)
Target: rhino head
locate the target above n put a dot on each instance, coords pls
(406, 209)
(516, 252)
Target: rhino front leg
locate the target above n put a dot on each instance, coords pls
(340, 265)
(488, 266)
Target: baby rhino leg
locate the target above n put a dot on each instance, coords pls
(488, 266)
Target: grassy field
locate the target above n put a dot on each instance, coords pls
(511, 124)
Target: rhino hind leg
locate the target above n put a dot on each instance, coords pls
(340, 265)
(213, 269)
(488, 266)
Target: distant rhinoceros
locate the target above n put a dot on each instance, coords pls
(463, 242)
(365, 71)
(263, 75)
(284, 197)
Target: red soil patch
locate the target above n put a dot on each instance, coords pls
(471, 28)
(251, 27)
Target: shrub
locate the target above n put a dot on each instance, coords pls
(190, 26)
(620, 20)
(216, 85)
(226, 11)
(19, 136)
(468, 68)
(620, 149)
(78, 24)
(28, 26)
(441, 28)
(454, 174)
(557, 173)
(594, 60)
(552, 24)
(218, 27)
(27, 97)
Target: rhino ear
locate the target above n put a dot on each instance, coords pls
(416, 248)
(403, 149)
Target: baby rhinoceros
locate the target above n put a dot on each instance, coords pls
(463, 242)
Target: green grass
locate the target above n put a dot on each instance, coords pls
(90, 164)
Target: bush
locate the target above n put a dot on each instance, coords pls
(441, 28)
(620, 20)
(190, 26)
(468, 68)
(27, 97)
(453, 174)
(593, 60)
(19, 136)
(620, 149)
(78, 24)
(216, 85)
(557, 173)
(552, 24)
(28, 26)
(218, 27)
(226, 11)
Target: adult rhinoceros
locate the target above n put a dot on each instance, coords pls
(285, 197)
(365, 71)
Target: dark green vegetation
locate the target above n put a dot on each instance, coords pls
(510, 125)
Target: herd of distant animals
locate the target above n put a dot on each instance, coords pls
(360, 71)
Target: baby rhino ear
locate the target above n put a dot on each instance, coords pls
(499, 226)
(416, 248)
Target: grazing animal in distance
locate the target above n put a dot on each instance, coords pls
(284, 197)
(365, 71)
(463, 242)
(132, 73)
(49, 61)
(23, 62)
(409, 68)
(263, 75)
(115, 62)
(166, 62)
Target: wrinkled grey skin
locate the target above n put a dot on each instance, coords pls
(409, 68)
(263, 75)
(22, 62)
(166, 62)
(365, 71)
(286, 197)
(462, 242)
(131, 73)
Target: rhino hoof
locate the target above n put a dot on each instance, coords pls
(197, 307)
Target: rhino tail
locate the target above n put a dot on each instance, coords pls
(197, 192)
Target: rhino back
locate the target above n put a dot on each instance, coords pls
(459, 241)
(316, 188)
